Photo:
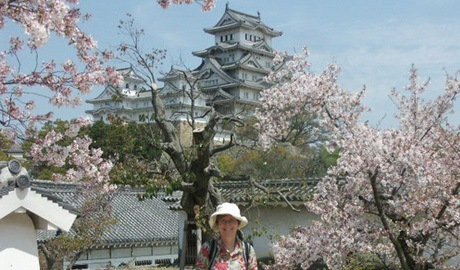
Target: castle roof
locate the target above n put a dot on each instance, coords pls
(234, 19)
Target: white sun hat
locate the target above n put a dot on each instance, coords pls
(227, 209)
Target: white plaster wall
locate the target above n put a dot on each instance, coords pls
(142, 251)
(277, 220)
(18, 245)
(121, 252)
(99, 253)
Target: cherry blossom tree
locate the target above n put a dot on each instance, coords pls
(394, 192)
(206, 5)
(25, 76)
(20, 71)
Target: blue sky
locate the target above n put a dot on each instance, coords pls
(374, 42)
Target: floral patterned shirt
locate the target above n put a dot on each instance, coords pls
(225, 260)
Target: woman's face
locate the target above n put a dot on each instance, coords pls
(228, 225)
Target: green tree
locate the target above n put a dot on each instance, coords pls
(5, 145)
(279, 162)
(299, 153)
(133, 148)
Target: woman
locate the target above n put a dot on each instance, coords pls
(227, 252)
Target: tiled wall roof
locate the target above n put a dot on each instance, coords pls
(138, 222)
(296, 191)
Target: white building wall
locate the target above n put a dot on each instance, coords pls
(142, 251)
(277, 221)
(121, 252)
(18, 243)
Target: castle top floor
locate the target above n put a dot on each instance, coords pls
(239, 27)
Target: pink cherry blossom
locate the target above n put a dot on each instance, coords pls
(394, 192)
(206, 5)
(39, 19)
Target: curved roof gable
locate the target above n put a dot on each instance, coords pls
(221, 95)
(262, 45)
(250, 61)
(233, 19)
(213, 65)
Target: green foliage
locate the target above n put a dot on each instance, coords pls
(133, 149)
(46, 171)
(282, 161)
(120, 139)
(5, 145)
(367, 261)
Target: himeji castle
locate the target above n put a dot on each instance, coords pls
(229, 78)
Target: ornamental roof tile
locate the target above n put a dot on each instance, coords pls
(296, 191)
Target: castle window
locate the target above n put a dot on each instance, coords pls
(231, 36)
(221, 38)
(246, 95)
(135, 87)
(127, 86)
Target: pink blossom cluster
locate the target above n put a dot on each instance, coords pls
(87, 164)
(298, 90)
(206, 5)
(61, 82)
(394, 192)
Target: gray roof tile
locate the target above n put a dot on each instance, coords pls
(138, 222)
(297, 191)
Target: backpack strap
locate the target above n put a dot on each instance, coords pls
(247, 251)
(212, 252)
(247, 247)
